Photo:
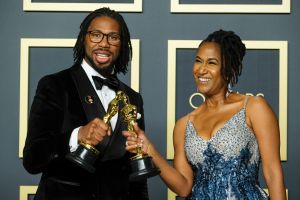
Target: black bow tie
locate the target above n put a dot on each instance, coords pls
(112, 82)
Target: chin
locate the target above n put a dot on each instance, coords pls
(104, 69)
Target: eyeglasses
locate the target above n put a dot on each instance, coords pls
(97, 36)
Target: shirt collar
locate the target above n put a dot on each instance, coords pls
(89, 70)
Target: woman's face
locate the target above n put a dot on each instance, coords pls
(207, 69)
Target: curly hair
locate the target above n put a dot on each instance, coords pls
(125, 49)
(232, 53)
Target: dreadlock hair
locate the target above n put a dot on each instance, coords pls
(125, 49)
(232, 53)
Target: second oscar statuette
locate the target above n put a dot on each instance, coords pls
(141, 164)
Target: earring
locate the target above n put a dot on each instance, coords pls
(192, 96)
(229, 90)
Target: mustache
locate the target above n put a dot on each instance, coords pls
(101, 49)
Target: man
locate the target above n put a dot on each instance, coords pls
(68, 109)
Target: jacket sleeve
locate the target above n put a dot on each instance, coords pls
(45, 142)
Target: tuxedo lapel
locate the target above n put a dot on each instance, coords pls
(90, 101)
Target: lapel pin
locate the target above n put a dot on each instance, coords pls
(89, 99)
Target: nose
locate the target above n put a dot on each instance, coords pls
(104, 41)
(201, 68)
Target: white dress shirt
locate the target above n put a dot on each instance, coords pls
(105, 95)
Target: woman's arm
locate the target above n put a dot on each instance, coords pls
(264, 123)
(179, 177)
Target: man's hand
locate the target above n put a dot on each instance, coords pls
(94, 132)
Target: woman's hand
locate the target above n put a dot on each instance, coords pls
(137, 139)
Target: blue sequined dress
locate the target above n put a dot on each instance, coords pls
(225, 166)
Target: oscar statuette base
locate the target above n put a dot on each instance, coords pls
(142, 168)
(84, 156)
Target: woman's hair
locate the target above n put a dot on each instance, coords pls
(232, 54)
(125, 49)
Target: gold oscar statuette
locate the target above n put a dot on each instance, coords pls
(85, 155)
(141, 164)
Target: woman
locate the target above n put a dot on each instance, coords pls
(219, 145)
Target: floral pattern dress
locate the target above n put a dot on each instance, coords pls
(225, 166)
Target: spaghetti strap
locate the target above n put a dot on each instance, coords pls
(188, 116)
(246, 101)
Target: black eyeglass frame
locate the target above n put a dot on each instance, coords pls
(107, 35)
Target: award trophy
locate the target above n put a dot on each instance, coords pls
(86, 154)
(141, 164)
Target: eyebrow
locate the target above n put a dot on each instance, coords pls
(215, 59)
(96, 30)
(210, 59)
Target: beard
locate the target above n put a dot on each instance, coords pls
(104, 71)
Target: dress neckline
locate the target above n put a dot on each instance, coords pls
(217, 132)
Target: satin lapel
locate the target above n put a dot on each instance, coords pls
(90, 101)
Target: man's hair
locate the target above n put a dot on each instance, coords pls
(232, 53)
(125, 49)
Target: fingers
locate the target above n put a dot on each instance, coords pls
(127, 133)
(94, 132)
(100, 124)
(136, 140)
(132, 143)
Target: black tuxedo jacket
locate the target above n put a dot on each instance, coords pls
(59, 106)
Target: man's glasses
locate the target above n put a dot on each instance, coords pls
(97, 36)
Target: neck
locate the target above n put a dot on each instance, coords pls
(217, 100)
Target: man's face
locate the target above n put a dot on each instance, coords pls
(101, 55)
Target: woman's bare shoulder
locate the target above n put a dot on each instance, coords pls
(257, 103)
(180, 123)
(258, 109)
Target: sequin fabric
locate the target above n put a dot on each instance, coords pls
(225, 166)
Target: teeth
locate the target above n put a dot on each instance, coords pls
(101, 55)
(203, 79)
